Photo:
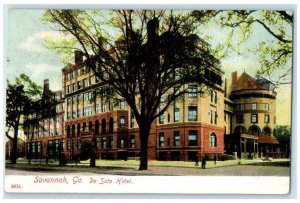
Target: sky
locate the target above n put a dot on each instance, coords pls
(27, 54)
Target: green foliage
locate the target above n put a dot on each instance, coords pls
(20, 98)
(240, 27)
(283, 133)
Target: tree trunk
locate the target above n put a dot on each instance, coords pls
(15, 146)
(144, 135)
(30, 152)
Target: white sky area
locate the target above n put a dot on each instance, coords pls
(26, 54)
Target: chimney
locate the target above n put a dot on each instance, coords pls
(78, 57)
(234, 78)
(152, 29)
(46, 86)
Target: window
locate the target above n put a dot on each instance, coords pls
(254, 118)
(79, 85)
(79, 98)
(91, 80)
(266, 107)
(78, 113)
(131, 120)
(267, 131)
(68, 144)
(168, 117)
(131, 141)
(122, 122)
(57, 108)
(103, 107)
(103, 143)
(122, 143)
(110, 142)
(69, 102)
(176, 139)
(216, 118)
(85, 96)
(97, 142)
(74, 100)
(90, 126)
(267, 119)
(122, 105)
(111, 125)
(57, 121)
(96, 128)
(213, 97)
(73, 87)
(213, 140)
(161, 139)
(69, 89)
(193, 138)
(51, 132)
(73, 113)
(161, 119)
(97, 108)
(176, 114)
(239, 118)
(192, 115)
(254, 106)
(211, 117)
(192, 91)
(69, 115)
(240, 107)
(85, 83)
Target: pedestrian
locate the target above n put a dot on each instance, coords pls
(47, 157)
(196, 160)
(203, 162)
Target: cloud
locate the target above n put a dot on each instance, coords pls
(39, 72)
(34, 43)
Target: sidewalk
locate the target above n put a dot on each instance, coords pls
(245, 167)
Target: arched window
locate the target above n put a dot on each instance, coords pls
(111, 125)
(267, 130)
(103, 126)
(78, 130)
(73, 130)
(213, 140)
(96, 127)
(84, 127)
(254, 129)
(90, 126)
(68, 131)
(239, 129)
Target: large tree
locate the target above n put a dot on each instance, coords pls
(274, 52)
(20, 98)
(143, 55)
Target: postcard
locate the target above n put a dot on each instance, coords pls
(149, 101)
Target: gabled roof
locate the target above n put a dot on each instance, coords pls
(246, 82)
